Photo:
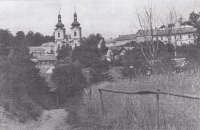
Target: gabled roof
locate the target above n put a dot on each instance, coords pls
(50, 57)
(167, 31)
(110, 41)
(126, 37)
(142, 33)
(36, 48)
(48, 44)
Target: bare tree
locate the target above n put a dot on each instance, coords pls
(147, 34)
(149, 31)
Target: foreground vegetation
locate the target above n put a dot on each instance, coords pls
(139, 111)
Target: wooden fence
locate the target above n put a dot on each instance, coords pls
(157, 93)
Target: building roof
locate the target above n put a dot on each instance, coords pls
(77, 27)
(50, 57)
(167, 31)
(142, 33)
(36, 48)
(59, 24)
(48, 44)
(75, 23)
(110, 41)
(126, 37)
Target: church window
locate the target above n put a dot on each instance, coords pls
(75, 33)
(58, 34)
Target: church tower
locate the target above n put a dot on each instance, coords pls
(76, 34)
(59, 34)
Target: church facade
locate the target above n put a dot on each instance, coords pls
(61, 38)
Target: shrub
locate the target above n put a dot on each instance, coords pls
(69, 80)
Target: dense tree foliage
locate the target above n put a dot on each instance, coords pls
(64, 51)
(99, 72)
(69, 79)
(22, 88)
(88, 52)
(36, 39)
(6, 41)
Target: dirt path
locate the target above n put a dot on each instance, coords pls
(49, 120)
(53, 120)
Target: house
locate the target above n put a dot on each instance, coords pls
(114, 53)
(49, 47)
(36, 51)
(110, 42)
(124, 39)
(120, 40)
(178, 35)
(48, 58)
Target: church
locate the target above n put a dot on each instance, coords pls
(72, 39)
(61, 38)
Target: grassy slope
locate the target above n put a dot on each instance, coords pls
(139, 112)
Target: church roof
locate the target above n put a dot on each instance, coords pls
(59, 24)
(77, 27)
(75, 23)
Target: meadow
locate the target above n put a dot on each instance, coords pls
(138, 112)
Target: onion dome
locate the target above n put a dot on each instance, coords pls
(59, 24)
(75, 23)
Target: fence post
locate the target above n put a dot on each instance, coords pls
(90, 94)
(101, 99)
(157, 107)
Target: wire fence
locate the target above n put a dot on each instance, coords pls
(157, 93)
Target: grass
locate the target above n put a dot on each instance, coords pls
(138, 112)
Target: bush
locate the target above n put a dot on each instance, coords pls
(99, 72)
(69, 80)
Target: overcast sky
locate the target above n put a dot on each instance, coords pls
(108, 17)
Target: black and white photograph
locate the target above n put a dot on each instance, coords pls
(99, 64)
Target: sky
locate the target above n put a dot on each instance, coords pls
(110, 18)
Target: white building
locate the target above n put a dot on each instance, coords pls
(177, 35)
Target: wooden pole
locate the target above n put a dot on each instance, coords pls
(90, 94)
(157, 107)
(101, 99)
(57, 103)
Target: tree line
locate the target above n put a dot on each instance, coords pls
(23, 91)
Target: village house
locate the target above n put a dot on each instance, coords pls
(124, 39)
(178, 35)
(36, 51)
(48, 58)
(114, 53)
(110, 42)
(120, 40)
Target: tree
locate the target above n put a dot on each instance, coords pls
(99, 71)
(148, 42)
(103, 49)
(69, 80)
(22, 87)
(88, 51)
(6, 41)
(64, 51)
(36, 39)
(194, 20)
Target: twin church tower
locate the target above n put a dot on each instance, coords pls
(61, 38)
